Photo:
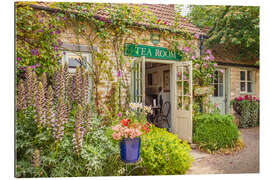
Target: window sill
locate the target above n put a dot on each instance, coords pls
(245, 93)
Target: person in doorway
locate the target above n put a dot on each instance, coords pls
(160, 98)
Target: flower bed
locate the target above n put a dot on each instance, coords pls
(248, 109)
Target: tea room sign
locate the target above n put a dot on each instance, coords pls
(151, 52)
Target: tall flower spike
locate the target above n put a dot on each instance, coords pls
(44, 81)
(21, 96)
(34, 88)
(78, 131)
(40, 104)
(83, 90)
(36, 158)
(50, 108)
(29, 89)
(77, 90)
(87, 117)
(86, 86)
(66, 78)
(71, 88)
(59, 124)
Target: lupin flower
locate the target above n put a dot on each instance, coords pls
(78, 131)
(50, 108)
(36, 158)
(21, 96)
(40, 104)
(59, 122)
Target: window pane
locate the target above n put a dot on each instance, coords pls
(242, 75)
(220, 78)
(249, 75)
(220, 90)
(216, 77)
(179, 102)
(179, 73)
(216, 90)
(243, 87)
(249, 87)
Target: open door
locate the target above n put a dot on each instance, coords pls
(182, 100)
(138, 80)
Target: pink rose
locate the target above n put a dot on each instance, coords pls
(193, 57)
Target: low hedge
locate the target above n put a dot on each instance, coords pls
(214, 131)
(164, 153)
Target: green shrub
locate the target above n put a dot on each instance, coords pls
(214, 131)
(164, 153)
(248, 107)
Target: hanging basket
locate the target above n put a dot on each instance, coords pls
(130, 149)
(203, 91)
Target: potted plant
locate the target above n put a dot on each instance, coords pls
(131, 127)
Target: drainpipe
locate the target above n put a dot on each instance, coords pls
(201, 44)
(201, 52)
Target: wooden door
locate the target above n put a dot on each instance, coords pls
(219, 94)
(182, 101)
(138, 80)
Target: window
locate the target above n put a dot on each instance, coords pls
(247, 80)
(75, 60)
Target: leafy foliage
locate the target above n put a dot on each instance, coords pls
(37, 43)
(214, 131)
(233, 26)
(248, 108)
(164, 153)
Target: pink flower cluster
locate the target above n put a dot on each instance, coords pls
(126, 132)
(247, 97)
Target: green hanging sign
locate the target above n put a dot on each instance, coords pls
(151, 52)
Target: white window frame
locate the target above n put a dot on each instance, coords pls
(246, 81)
(70, 53)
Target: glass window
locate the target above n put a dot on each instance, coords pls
(218, 84)
(247, 81)
(73, 60)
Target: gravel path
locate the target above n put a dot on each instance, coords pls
(246, 161)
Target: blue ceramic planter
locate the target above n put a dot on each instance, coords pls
(130, 149)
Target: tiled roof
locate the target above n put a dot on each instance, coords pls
(165, 12)
(224, 55)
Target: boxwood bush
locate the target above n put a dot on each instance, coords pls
(214, 131)
(164, 153)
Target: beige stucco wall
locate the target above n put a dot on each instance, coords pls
(235, 82)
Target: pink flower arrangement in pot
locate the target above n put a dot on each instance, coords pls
(129, 130)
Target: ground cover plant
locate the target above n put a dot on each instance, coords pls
(214, 131)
